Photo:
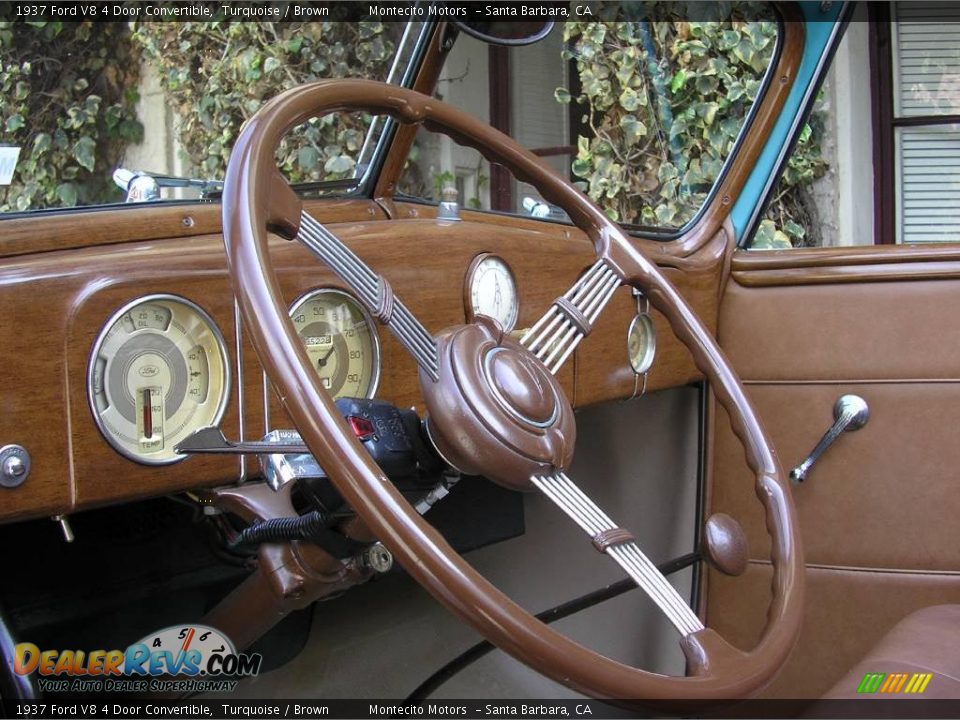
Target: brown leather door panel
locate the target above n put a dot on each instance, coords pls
(881, 497)
(879, 511)
(843, 331)
(846, 613)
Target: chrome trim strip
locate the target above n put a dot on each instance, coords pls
(266, 403)
(565, 494)
(554, 333)
(364, 282)
(240, 407)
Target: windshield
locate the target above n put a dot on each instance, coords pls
(96, 113)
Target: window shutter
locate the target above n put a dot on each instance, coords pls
(929, 183)
(926, 80)
(927, 61)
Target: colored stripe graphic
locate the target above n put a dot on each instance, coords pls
(893, 683)
(890, 683)
(871, 682)
(920, 682)
(900, 682)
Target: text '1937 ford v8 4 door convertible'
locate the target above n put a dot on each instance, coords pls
(389, 359)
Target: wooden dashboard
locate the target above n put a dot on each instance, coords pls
(62, 276)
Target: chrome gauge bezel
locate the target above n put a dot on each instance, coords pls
(645, 361)
(471, 276)
(368, 318)
(95, 351)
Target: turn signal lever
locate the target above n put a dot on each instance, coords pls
(850, 413)
(394, 438)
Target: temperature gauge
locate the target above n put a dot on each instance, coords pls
(158, 372)
(150, 419)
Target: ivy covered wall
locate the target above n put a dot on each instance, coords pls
(217, 74)
(68, 93)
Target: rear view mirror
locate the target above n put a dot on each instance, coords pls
(506, 32)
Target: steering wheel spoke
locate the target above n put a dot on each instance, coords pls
(373, 290)
(620, 545)
(570, 318)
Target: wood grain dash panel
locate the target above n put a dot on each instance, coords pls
(53, 303)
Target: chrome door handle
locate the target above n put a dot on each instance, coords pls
(849, 413)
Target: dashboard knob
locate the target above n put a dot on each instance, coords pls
(725, 545)
(14, 466)
(377, 558)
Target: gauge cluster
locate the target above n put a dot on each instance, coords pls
(159, 368)
(136, 346)
(158, 372)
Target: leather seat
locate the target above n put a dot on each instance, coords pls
(928, 641)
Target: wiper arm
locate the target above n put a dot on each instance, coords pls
(323, 186)
(142, 186)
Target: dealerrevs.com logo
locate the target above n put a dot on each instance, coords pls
(181, 658)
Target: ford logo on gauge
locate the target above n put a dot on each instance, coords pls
(149, 371)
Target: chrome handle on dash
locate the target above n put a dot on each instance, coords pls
(850, 413)
(210, 440)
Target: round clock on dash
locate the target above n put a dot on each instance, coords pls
(490, 289)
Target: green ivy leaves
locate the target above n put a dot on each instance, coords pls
(68, 108)
(768, 237)
(665, 101)
(236, 66)
(68, 96)
(84, 152)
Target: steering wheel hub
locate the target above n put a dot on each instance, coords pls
(496, 410)
(519, 383)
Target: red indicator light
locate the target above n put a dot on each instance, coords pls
(361, 427)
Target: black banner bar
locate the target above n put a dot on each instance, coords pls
(352, 10)
(226, 709)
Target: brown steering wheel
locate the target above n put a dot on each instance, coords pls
(495, 408)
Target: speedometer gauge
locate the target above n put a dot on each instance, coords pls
(340, 340)
(158, 372)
